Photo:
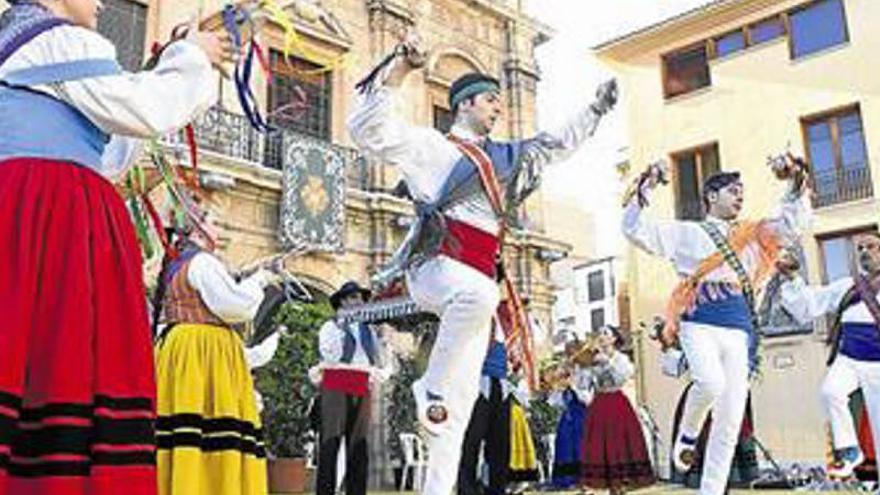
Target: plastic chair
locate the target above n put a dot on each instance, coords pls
(415, 460)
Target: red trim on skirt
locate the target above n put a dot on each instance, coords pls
(349, 382)
(76, 371)
(614, 451)
(474, 247)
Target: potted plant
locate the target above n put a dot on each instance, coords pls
(287, 393)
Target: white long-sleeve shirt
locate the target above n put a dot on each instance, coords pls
(807, 303)
(686, 244)
(331, 341)
(260, 354)
(231, 301)
(859, 337)
(132, 105)
(425, 157)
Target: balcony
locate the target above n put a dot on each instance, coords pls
(842, 185)
(230, 134)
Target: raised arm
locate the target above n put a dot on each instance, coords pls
(556, 145)
(377, 128)
(792, 216)
(660, 238)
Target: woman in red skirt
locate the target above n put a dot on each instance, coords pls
(77, 388)
(614, 453)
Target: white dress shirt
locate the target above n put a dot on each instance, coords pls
(331, 338)
(425, 157)
(686, 244)
(806, 303)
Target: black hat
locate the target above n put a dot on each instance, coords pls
(469, 85)
(347, 289)
(719, 181)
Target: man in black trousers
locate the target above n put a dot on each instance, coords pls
(489, 426)
(350, 363)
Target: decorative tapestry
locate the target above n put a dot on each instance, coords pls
(313, 197)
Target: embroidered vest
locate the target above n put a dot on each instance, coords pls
(184, 305)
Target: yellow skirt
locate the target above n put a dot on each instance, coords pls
(208, 429)
(523, 460)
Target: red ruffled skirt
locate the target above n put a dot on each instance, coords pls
(614, 451)
(77, 387)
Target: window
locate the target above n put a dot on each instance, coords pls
(838, 157)
(443, 119)
(691, 168)
(597, 319)
(299, 101)
(839, 256)
(685, 71)
(767, 30)
(596, 286)
(817, 26)
(597, 305)
(730, 43)
(124, 22)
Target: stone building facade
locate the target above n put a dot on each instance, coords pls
(339, 41)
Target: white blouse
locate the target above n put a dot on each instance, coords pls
(139, 105)
(231, 301)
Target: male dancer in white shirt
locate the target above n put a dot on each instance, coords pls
(714, 305)
(855, 353)
(449, 256)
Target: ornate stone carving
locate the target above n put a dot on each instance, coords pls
(389, 16)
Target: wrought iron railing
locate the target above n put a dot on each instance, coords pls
(842, 185)
(231, 135)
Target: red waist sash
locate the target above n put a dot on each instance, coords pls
(350, 382)
(474, 247)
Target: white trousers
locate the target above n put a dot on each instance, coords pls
(844, 376)
(719, 363)
(465, 300)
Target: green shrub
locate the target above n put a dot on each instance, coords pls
(284, 382)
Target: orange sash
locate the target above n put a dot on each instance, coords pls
(684, 296)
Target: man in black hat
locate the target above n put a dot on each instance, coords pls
(350, 357)
(713, 305)
(467, 188)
